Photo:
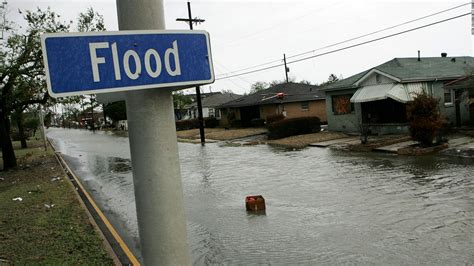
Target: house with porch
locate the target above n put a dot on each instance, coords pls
(290, 99)
(376, 99)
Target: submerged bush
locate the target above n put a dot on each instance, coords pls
(293, 126)
(425, 118)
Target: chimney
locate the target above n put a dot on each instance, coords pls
(444, 54)
(419, 55)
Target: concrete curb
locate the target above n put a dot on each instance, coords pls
(114, 244)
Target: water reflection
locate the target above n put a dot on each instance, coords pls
(323, 206)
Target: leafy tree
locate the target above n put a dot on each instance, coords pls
(22, 73)
(180, 100)
(277, 82)
(258, 86)
(307, 82)
(32, 122)
(424, 117)
(227, 91)
(331, 79)
(90, 21)
(22, 77)
(116, 111)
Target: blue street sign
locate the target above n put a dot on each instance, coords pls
(99, 62)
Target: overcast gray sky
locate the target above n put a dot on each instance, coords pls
(249, 33)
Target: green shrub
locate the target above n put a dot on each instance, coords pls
(257, 122)
(425, 118)
(293, 126)
(275, 118)
(187, 124)
(210, 122)
(236, 123)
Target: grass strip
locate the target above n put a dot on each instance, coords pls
(48, 225)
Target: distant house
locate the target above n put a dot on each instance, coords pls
(290, 99)
(378, 97)
(210, 105)
(183, 111)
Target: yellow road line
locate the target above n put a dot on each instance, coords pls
(112, 230)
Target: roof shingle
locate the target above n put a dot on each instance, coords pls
(411, 70)
(294, 92)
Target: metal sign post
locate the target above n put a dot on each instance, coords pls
(154, 152)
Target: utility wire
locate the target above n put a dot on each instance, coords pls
(345, 41)
(347, 47)
(381, 38)
(378, 31)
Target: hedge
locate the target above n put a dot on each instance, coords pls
(275, 118)
(187, 124)
(294, 126)
(257, 122)
(209, 122)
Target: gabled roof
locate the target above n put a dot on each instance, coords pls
(412, 70)
(295, 92)
(217, 99)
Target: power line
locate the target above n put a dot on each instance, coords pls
(381, 30)
(347, 40)
(227, 69)
(381, 38)
(347, 47)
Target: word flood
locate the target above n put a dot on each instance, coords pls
(123, 62)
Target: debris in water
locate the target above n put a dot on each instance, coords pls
(255, 203)
(17, 199)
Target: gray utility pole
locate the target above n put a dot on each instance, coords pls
(287, 69)
(190, 20)
(154, 152)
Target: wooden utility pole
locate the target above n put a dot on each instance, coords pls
(190, 20)
(287, 69)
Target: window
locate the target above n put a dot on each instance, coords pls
(448, 96)
(304, 106)
(211, 112)
(341, 104)
(218, 113)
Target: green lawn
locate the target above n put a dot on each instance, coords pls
(48, 226)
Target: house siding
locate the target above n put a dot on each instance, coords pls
(449, 110)
(372, 80)
(316, 108)
(293, 110)
(267, 110)
(342, 122)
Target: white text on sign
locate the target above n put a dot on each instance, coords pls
(150, 54)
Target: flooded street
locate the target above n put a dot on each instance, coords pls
(323, 206)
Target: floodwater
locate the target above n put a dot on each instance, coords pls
(323, 206)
